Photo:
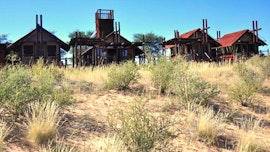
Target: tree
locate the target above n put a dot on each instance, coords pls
(152, 47)
(83, 34)
(4, 38)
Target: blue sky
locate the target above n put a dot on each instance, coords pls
(161, 17)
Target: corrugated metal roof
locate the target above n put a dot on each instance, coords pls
(231, 38)
(189, 34)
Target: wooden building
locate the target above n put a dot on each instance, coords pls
(3, 52)
(240, 44)
(39, 43)
(107, 44)
(195, 45)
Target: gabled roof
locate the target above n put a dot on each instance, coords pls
(231, 38)
(187, 37)
(189, 34)
(114, 33)
(63, 45)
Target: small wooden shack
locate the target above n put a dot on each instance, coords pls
(240, 44)
(38, 43)
(194, 45)
(106, 46)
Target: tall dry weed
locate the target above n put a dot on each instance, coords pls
(42, 121)
(4, 132)
(206, 123)
(248, 141)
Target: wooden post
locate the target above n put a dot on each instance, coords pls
(75, 50)
(80, 53)
(73, 57)
(255, 31)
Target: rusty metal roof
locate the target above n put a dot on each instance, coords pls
(189, 34)
(231, 38)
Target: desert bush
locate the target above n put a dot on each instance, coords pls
(265, 66)
(190, 87)
(42, 121)
(15, 90)
(121, 76)
(4, 132)
(248, 141)
(20, 85)
(46, 84)
(139, 130)
(208, 124)
(162, 74)
(250, 82)
(262, 63)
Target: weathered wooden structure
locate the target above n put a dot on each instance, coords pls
(241, 44)
(106, 46)
(3, 53)
(194, 45)
(38, 43)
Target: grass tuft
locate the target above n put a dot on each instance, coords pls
(110, 144)
(206, 123)
(4, 132)
(42, 122)
(248, 141)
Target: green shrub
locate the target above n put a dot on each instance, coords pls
(243, 93)
(121, 76)
(251, 82)
(265, 66)
(249, 76)
(262, 63)
(15, 88)
(46, 85)
(20, 85)
(162, 74)
(139, 130)
(192, 88)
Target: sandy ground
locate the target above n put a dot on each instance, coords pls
(87, 119)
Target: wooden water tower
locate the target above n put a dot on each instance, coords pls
(104, 22)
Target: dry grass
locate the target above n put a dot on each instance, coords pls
(209, 125)
(195, 128)
(109, 143)
(4, 132)
(42, 122)
(60, 146)
(220, 74)
(205, 122)
(248, 140)
(98, 75)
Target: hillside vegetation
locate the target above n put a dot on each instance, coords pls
(166, 106)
